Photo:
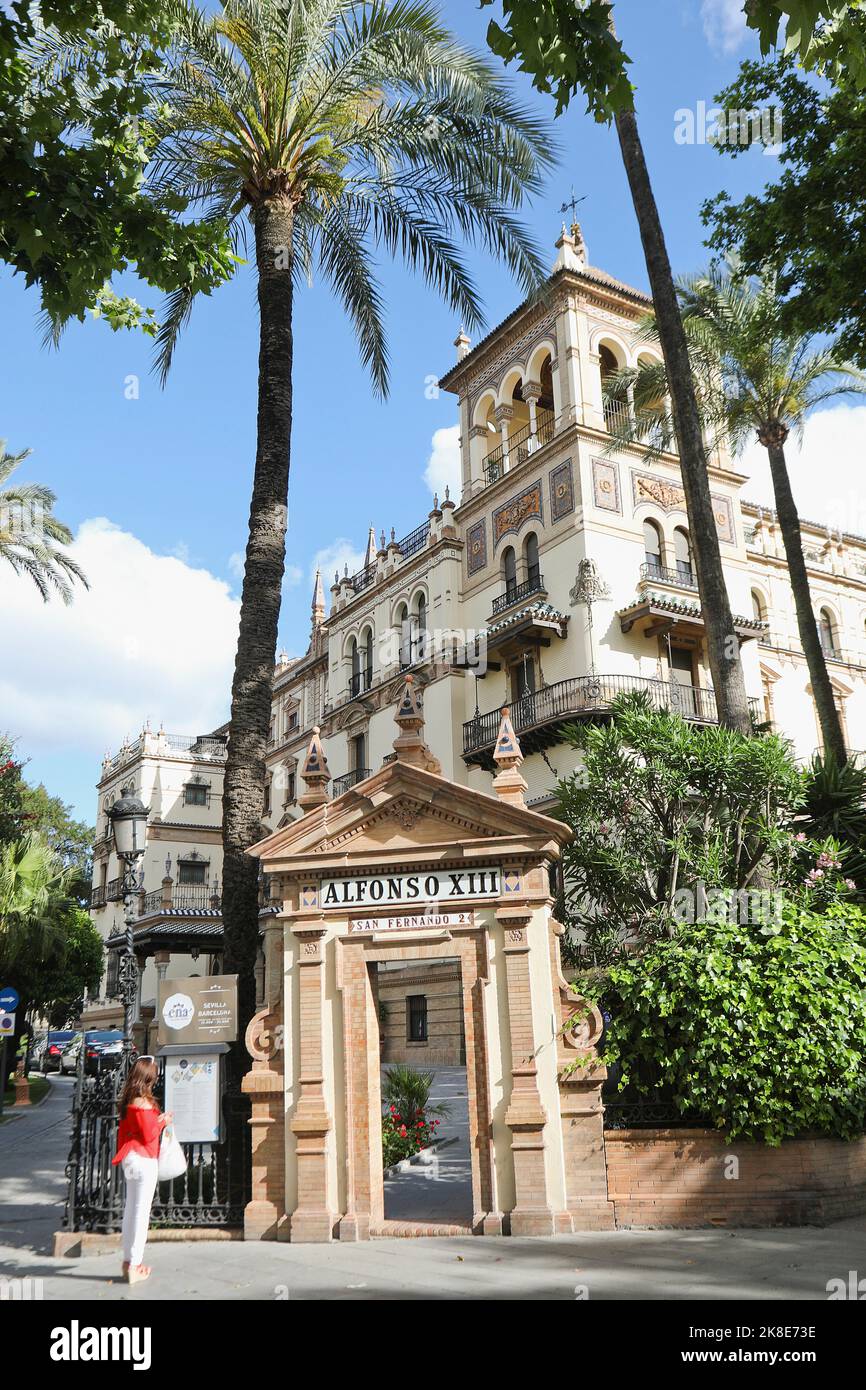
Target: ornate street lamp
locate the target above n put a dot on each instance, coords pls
(128, 817)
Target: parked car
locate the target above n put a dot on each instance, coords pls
(52, 1050)
(102, 1051)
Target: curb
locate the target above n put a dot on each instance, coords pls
(418, 1159)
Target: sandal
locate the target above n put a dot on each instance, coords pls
(136, 1274)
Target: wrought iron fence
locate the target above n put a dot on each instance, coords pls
(212, 1192)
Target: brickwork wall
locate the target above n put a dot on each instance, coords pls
(440, 984)
(677, 1178)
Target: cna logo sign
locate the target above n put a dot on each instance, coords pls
(178, 1011)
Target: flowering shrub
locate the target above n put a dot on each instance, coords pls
(401, 1140)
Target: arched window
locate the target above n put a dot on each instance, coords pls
(827, 632)
(368, 659)
(759, 608)
(683, 553)
(616, 406)
(355, 663)
(509, 570)
(405, 635)
(418, 634)
(652, 546)
(533, 571)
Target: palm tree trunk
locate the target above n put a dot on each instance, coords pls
(773, 439)
(243, 787)
(722, 643)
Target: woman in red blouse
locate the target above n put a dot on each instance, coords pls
(138, 1136)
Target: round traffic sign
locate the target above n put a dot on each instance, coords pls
(8, 999)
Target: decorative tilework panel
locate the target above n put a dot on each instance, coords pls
(561, 491)
(605, 485)
(514, 513)
(476, 547)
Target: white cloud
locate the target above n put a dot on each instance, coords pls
(724, 24)
(153, 638)
(293, 576)
(827, 472)
(443, 466)
(335, 558)
(236, 564)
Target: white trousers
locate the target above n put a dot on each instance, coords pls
(140, 1174)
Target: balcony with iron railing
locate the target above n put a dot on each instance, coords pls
(518, 593)
(408, 546)
(679, 578)
(519, 446)
(539, 718)
(349, 779)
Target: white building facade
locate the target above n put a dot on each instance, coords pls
(563, 577)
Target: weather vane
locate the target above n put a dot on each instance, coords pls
(573, 204)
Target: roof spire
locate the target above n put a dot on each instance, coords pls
(318, 605)
(370, 557)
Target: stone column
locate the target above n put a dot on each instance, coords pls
(504, 414)
(525, 1116)
(312, 1219)
(364, 1190)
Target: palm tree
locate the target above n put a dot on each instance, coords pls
(32, 879)
(755, 379)
(30, 536)
(722, 648)
(333, 128)
(409, 1090)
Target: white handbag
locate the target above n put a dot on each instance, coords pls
(172, 1159)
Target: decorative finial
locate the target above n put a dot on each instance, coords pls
(318, 605)
(315, 775)
(409, 744)
(462, 344)
(447, 493)
(508, 783)
(370, 557)
(382, 541)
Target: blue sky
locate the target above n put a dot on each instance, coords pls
(171, 470)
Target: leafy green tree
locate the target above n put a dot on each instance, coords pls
(12, 793)
(828, 36)
(809, 221)
(74, 206)
(331, 130)
(565, 46)
(53, 978)
(70, 839)
(31, 883)
(670, 822)
(834, 807)
(31, 537)
(757, 379)
(760, 1030)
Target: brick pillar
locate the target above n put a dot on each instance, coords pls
(364, 1187)
(581, 1077)
(311, 1124)
(525, 1116)
(265, 1213)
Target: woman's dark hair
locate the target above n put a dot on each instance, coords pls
(139, 1083)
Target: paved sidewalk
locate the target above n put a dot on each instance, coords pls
(645, 1265)
(651, 1265)
(441, 1190)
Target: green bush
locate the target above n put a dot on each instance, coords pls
(763, 1030)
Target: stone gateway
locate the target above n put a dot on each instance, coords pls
(535, 1126)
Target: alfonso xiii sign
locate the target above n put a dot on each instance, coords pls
(460, 885)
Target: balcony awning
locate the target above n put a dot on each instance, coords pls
(532, 624)
(656, 613)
